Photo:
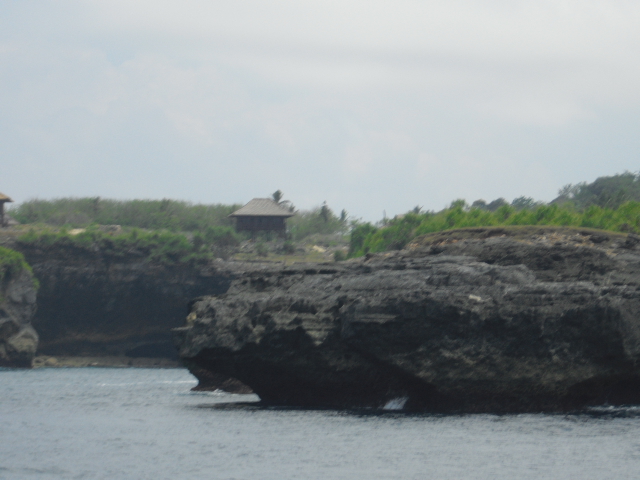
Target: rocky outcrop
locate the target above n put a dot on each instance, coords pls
(18, 339)
(476, 321)
(94, 304)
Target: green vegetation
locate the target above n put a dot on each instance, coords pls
(262, 250)
(175, 216)
(288, 248)
(164, 214)
(12, 263)
(609, 203)
(605, 192)
(398, 232)
(172, 232)
(339, 256)
(320, 220)
(162, 246)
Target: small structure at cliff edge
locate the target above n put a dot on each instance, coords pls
(3, 199)
(262, 215)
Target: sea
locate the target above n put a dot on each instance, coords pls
(138, 423)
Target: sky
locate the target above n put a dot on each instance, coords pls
(372, 106)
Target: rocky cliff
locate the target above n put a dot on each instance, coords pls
(94, 304)
(18, 339)
(484, 320)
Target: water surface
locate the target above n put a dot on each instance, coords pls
(101, 423)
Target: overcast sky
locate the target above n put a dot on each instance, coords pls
(369, 105)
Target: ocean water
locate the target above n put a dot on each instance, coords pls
(100, 423)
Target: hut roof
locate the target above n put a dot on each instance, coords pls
(4, 198)
(262, 207)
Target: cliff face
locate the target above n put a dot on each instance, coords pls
(548, 322)
(91, 304)
(18, 339)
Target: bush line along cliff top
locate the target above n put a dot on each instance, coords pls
(400, 231)
(609, 203)
(159, 246)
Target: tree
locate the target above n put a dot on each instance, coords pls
(524, 203)
(496, 204)
(325, 213)
(277, 196)
(481, 204)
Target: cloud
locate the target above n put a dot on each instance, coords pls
(222, 101)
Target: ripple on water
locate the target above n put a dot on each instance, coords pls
(147, 424)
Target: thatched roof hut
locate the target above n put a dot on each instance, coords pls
(262, 214)
(3, 199)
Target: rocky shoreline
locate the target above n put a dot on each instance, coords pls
(42, 361)
(93, 303)
(474, 320)
(479, 320)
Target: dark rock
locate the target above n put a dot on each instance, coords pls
(209, 381)
(494, 324)
(92, 304)
(632, 241)
(18, 339)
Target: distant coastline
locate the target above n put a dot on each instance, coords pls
(48, 361)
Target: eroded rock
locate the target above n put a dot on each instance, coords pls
(495, 324)
(92, 304)
(18, 339)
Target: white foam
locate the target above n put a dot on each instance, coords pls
(397, 403)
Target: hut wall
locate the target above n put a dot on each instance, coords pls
(260, 224)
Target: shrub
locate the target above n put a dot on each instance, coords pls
(320, 220)
(358, 236)
(261, 249)
(163, 214)
(221, 236)
(398, 232)
(160, 246)
(288, 247)
(339, 256)
(12, 263)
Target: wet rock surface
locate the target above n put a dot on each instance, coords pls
(18, 339)
(478, 323)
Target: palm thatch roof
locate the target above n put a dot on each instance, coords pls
(4, 198)
(262, 207)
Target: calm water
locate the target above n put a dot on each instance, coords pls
(97, 423)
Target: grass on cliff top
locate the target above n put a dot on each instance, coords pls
(12, 263)
(171, 248)
(162, 246)
(400, 231)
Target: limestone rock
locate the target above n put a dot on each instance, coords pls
(92, 304)
(474, 325)
(18, 339)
